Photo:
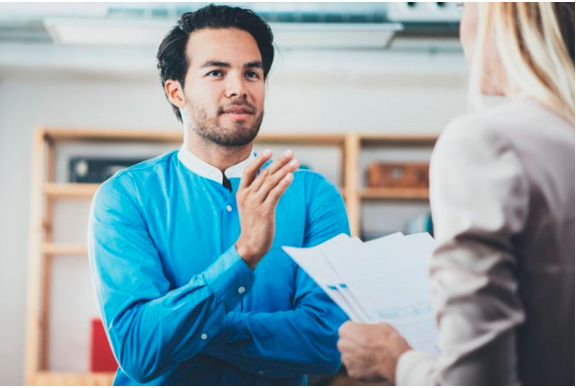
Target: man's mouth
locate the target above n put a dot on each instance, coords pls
(238, 112)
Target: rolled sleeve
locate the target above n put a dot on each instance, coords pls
(229, 278)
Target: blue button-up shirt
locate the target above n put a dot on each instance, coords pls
(181, 307)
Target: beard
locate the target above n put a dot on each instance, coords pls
(237, 135)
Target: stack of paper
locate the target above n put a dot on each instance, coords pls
(384, 280)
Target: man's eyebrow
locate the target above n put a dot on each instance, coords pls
(215, 64)
(257, 64)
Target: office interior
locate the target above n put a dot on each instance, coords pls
(355, 87)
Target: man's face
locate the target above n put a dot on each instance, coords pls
(224, 87)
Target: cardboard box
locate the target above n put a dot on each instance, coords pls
(398, 175)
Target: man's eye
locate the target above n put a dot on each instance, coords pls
(215, 73)
(253, 75)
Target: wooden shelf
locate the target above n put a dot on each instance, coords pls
(70, 190)
(62, 134)
(82, 190)
(44, 191)
(71, 378)
(171, 136)
(392, 139)
(395, 193)
(65, 249)
(301, 138)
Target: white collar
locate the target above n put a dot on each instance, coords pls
(200, 167)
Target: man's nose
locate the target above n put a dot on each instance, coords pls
(235, 87)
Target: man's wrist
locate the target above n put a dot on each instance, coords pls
(245, 254)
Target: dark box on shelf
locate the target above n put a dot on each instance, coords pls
(97, 170)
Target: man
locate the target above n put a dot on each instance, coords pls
(185, 249)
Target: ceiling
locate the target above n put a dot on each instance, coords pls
(296, 25)
(318, 39)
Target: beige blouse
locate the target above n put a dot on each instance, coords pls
(502, 197)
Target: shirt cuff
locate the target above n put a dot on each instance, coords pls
(416, 368)
(229, 278)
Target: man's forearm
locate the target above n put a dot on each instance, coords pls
(281, 344)
(143, 334)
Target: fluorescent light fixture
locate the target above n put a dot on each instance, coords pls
(334, 35)
(40, 10)
(107, 32)
(149, 33)
(424, 12)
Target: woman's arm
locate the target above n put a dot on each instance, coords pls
(479, 198)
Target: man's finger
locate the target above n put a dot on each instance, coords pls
(281, 161)
(250, 171)
(272, 181)
(274, 196)
(264, 175)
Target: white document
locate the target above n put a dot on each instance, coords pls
(313, 262)
(384, 280)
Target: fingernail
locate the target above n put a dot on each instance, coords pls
(288, 153)
(293, 163)
(267, 153)
(288, 176)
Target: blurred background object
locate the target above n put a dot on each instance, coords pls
(101, 356)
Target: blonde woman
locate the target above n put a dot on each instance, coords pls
(502, 197)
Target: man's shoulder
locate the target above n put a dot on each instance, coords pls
(324, 204)
(126, 180)
(310, 176)
(314, 183)
(150, 165)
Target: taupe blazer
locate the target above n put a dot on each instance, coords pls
(502, 198)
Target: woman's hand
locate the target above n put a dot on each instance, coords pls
(370, 352)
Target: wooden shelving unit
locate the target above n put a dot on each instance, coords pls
(402, 194)
(355, 194)
(70, 190)
(62, 378)
(46, 191)
(65, 249)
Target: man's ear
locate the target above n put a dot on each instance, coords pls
(174, 92)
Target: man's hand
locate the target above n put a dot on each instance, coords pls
(257, 198)
(370, 352)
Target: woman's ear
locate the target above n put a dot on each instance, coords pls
(174, 92)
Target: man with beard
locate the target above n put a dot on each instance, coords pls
(185, 249)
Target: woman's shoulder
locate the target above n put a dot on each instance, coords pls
(519, 136)
(471, 133)
(512, 122)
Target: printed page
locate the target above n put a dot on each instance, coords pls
(385, 280)
(315, 264)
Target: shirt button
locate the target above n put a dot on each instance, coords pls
(241, 290)
(261, 373)
(229, 208)
(203, 336)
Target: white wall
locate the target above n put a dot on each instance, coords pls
(356, 91)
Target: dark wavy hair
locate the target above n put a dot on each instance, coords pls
(172, 59)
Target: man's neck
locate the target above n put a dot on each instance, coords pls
(216, 155)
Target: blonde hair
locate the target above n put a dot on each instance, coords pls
(530, 43)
